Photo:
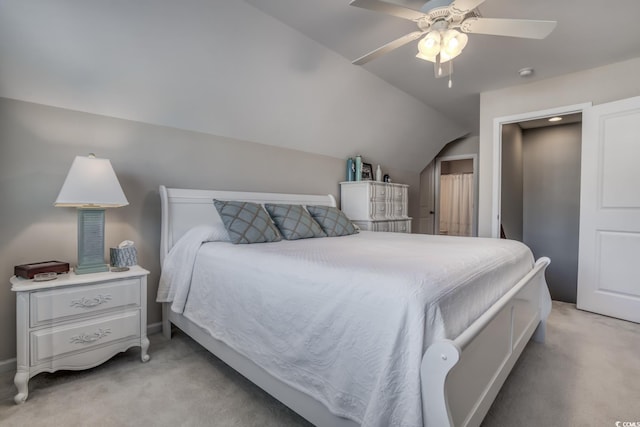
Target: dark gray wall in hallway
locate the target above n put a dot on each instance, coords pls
(551, 202)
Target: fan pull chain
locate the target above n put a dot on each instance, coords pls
(450, 73)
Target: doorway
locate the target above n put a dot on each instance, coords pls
(540, 194)
(609, 240)
(456, 195)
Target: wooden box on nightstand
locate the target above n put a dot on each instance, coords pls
(78, 321)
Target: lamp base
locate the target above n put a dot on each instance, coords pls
(91, 241)
(86, 269)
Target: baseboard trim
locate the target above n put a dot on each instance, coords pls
(154, 328)
(8, 365)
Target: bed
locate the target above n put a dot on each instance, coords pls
(404, 353)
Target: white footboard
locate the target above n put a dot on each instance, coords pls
(461, 378)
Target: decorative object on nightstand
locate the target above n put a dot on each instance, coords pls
(124, 256)
(378, 174)
(78, 322)
(29, 271)
(376, 206)
(91, 186)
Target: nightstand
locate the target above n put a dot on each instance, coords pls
(78, 321)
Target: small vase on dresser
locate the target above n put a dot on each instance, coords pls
(78, 321)
(376, 206)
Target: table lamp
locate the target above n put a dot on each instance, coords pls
(91, 186)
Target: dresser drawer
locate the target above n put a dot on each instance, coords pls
(398, 194)
(397, 210)
(79, 301)
(381, 226)
(379, 210)
(380, 193)
(82, 336)
(402, 226)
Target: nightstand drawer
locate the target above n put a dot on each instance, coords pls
(63, 340)
(79, 301)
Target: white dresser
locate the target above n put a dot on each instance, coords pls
(78, 321)
(376, 206)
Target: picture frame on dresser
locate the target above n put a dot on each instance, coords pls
(367, 172)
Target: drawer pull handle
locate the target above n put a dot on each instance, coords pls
(90, 302)
(90, 338)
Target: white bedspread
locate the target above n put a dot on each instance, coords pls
(344, 319)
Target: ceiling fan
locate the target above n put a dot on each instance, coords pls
(444, 28)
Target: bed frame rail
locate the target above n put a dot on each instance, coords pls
(460, 378)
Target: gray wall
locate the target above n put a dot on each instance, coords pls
(511, 183)
(597, 85)
(219, 67)
(461, 146)
(551, 202)
(38, 144)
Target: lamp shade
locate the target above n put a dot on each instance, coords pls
(91, 183)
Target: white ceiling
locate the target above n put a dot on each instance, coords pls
(590, 33)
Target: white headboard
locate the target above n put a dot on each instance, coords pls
(183, 209)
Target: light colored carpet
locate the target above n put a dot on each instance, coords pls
(586, 374)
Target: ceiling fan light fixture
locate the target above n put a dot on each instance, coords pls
(425, 57)
(429, 46)
(453, 42)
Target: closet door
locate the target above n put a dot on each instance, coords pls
(609, 260)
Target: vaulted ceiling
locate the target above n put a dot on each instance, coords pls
(589, 33)
(279, 72)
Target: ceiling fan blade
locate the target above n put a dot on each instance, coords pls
(389, 9)
(524, 28)
(460, 7)
(388, 47)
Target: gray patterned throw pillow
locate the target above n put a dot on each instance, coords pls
(332, 220)
(247, 222)
(294, 222)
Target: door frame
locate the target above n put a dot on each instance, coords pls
(498, 122)
(436, 183)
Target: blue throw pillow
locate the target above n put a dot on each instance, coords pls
(294, 222)
(247, 222)
(332, 220)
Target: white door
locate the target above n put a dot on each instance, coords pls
(609, 260)
(427, 208)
